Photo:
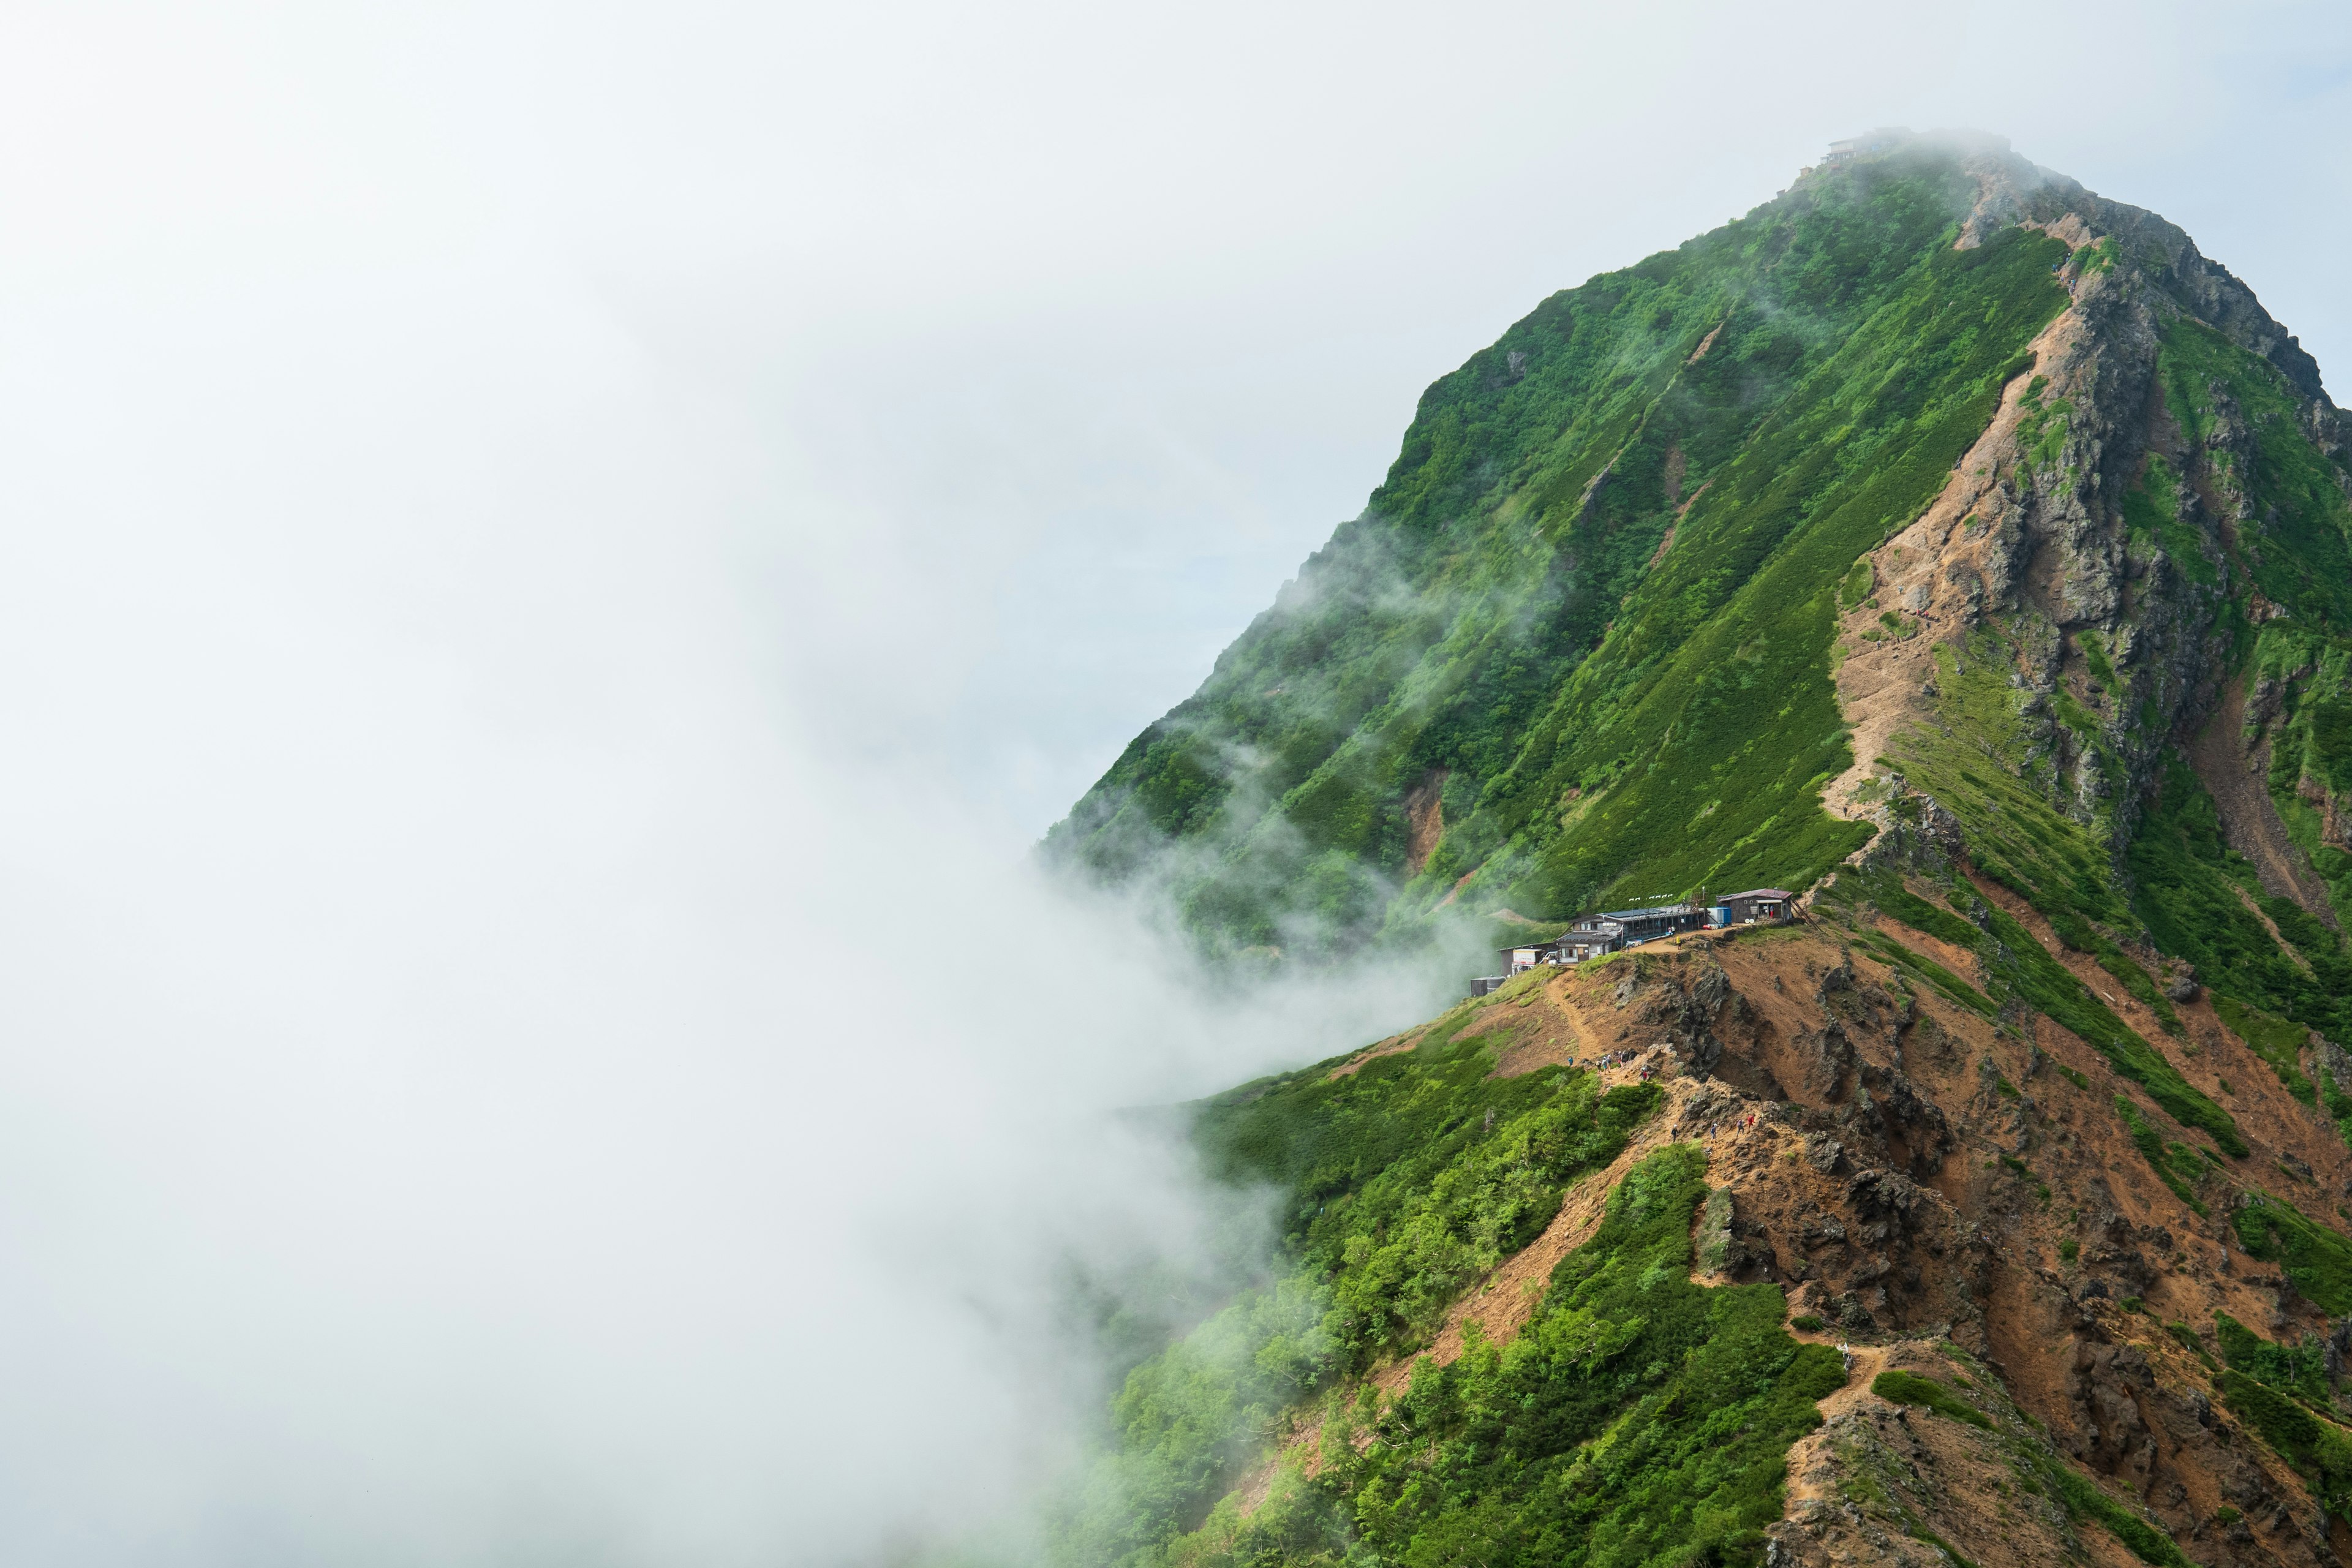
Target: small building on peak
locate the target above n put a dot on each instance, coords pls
(1592, 937)
(1755, 904)
(1886, 139)
(1522, 956)
(1598, 935)
(1655, 920)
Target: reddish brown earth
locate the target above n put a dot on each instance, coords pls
(1870, 1138)
(2250, 819)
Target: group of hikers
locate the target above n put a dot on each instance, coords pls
(1617, 1060)
(1741, 1125)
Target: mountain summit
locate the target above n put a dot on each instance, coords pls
(1967, 554)
(1655, 583)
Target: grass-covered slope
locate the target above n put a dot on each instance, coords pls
(1639, 1419)
(1400, 1182)
(1707, 723)
(1482, 1339)
(1604, 633)
(1584, 622)
(1636, 1418)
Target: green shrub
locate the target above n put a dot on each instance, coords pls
(2299, 1370)
(1715, 1240)
(2278, 1041)
(2318, 1259)
(1856, 587)
(1493, 1457)
(2084, 1500)
(1415, 1174)
(2152, 511)
(1401, 1183)
(2177, 1166)
(2190, 891)
(2319, 1449)
(1806, 1322)
(1911, 1388)
(2096, 657)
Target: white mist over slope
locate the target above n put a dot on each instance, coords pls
(552, 560)
(484, 1075)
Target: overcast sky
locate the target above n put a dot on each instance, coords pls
(552, 558)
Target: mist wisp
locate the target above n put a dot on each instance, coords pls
(493, 1067)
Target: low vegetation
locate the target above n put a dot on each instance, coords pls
(1401, 1182)
(2282, 1392)
(1496, 1457)
(1579, 651)
(2201, 900)
(2019, 966)
(1911, 1388)
(2177, 1166)
(2277, 1041)
(1501, 634)
(2316, 1258)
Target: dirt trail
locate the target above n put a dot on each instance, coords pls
(1865, 1362)
(1953, 1478)
(1502, 1303)
(1922, 573)
(2248, 818)
(1972, 1256)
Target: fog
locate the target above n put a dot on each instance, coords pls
(554, 560)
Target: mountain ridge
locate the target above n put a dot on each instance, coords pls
(1397, 729)
(1968, 550)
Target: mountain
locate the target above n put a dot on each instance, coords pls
(1965, 551)
(1583, 645)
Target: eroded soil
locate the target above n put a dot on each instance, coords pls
(1897, 1164)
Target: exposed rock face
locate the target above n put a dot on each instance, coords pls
(2012, 190)
(1956, 1195)
(2033, 537)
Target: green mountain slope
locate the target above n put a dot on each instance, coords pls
(1969, 548)
(1580, 646)
(1502, 631)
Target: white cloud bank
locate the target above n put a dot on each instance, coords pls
(480, 1078)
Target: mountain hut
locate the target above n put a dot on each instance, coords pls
(1756, 904)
